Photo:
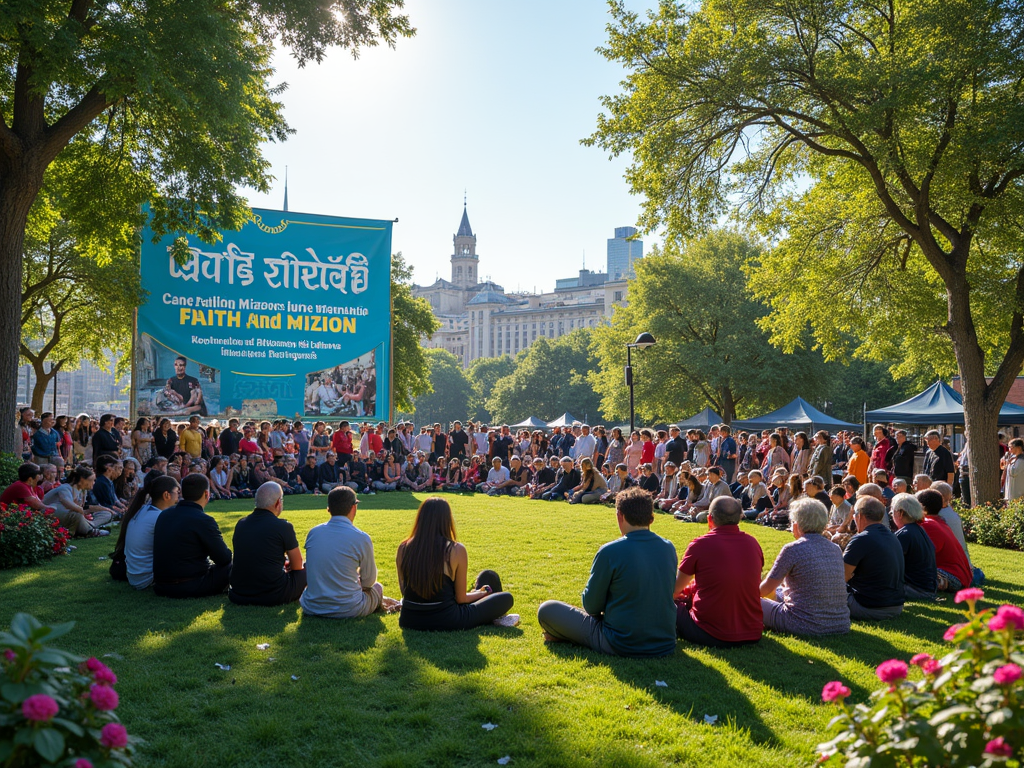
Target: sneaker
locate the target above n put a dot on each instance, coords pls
(508, 620)
(97, 532)
(371, 493)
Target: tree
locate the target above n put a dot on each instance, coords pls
(412, 320)
(73, 307)
(901, 124)
(550, 378)
(450, 390)
(709, 351)
(850, 385)
(483, 374)
(165, 101)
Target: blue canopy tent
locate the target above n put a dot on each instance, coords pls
(532, 422)
(565, 420)
(705, 420)
(798, 414)
(939, 404)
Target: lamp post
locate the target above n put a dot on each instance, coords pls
(643, 341)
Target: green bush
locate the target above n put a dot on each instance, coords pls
(965, 709)
(994, 526)
(9, 464)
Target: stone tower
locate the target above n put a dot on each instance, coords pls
(465, 262)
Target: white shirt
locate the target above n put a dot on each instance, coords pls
(339, 566)
(585, 446)
(424, 442)
(482, 443)
(138, 546)
(499, 475)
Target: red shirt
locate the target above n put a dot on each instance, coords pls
(726, 565)
(647, 452)
(341, 442)
(248, 446)
(18, 491)
(878, 454)
(376, 443)
(949, 555)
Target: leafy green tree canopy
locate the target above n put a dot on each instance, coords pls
(484, 373)
(550, 378)
(450, 390)
(710, 350)
(901, 122)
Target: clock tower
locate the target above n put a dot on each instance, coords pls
(465, 262)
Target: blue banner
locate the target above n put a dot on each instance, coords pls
(288, 317)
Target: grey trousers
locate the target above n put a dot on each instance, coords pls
(77, 525)
(858, 611)
(566, 622)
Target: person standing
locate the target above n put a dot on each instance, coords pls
(341, 443)
(230, 439)
(458, 442)
(185, 540)
(938, 461)
(821, 457)
(627, 603)
(105, 440)
(261, 540)
(903, 458)
(1013, 465)
(192, 438)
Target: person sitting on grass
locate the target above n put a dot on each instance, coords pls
(697, 509)
(669, 493)
(627, 603)
(804, 593)
(619, 481)
(873, 558)
(947, 513)
(185, 540)
(518, 477)
(69, 503)
(952, 567)
(841, 527)
(341, 572)
(592, 484)
(567, 478)
(726, 565)
(260, 541)
(919, 573)
(330, 474)
(497, 477)
(648, 480)
(543, 477)
(432, 566)
(25, 490)
(108, 468)
(755, 497)
(135, 539)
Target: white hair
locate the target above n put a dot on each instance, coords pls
(944, 488)
(908, 505)
(268, 494)
(809, 515)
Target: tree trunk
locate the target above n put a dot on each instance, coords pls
(728, 406)
(43, 379)
(18, 190)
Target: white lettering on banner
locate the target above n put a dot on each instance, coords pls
(286, 271)
(206, 263)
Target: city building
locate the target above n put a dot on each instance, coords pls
(479, 319)
(88, 389)
(623, 250)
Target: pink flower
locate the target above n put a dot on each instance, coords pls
(39, 708)
(92, 664)
(892, 671)
(82, 763)
(931, 667)
(105, 675)
(114, 736)
(1007, 617)
(969, 596)
(103, 697)
(1008, 674)
(998, 747)
(920, 659)
(9, 654)
(951, 632)
(834, 690)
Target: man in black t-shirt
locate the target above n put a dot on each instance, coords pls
(938, 461)
(675, 448)
(268, 562)
(874, 565)
(457, 442)
(501, 446)
(903, 457)
(230, 438)
(188, 388)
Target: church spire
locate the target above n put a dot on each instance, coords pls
(464, 229)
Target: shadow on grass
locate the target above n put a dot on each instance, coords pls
(455, 652)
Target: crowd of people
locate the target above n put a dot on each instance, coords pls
(863, 544)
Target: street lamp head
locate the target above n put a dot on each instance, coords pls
(643, 341)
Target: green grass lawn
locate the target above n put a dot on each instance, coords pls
(368, 694)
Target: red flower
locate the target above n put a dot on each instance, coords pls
(998, 747)
(892, 671)
(114, 736)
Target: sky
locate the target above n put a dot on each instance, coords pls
(491, 98)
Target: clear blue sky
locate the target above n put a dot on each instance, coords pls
(491, 97)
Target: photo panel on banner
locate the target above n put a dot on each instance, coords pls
(288, 317)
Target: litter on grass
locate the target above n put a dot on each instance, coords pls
(710, 719)
(262, 646)
(102, 557)
(504, 760)
(117, 656)
(488, 726)
(222, 667)
(661, 683)
(294, 678)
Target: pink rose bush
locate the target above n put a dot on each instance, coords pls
(964, 709)
(62, 708)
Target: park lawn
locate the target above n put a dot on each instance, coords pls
(368, 694)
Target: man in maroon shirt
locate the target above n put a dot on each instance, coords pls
(341, 443)
(726, 564)
(25, 490)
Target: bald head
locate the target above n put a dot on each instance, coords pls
(725, 510)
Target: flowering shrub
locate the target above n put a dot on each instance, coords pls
(28, 536)
(964, 709)
(9, 464)
(56, 707)
(994, 526)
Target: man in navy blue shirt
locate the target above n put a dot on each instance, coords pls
(185, 540)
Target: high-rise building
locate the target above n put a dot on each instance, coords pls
(623, 250)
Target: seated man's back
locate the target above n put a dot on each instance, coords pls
(185, 539)
(262, 541)
(874, 564)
